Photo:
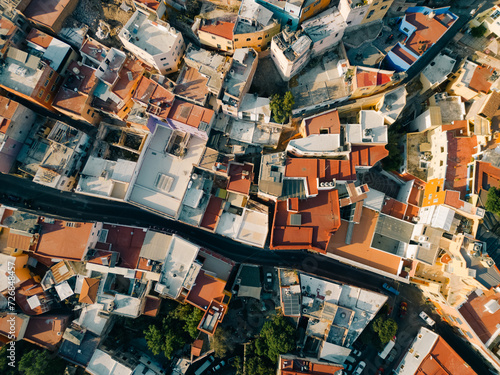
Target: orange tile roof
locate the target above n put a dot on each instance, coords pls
(459, 127)
(190, 114)
(370, 78)
(428, 31)
(219, 28)
(206, 289)
(486, 176)
(28, 289)
(212, 213)
(480, 79)
(192, 84)
(91, 47)
(320, 218)
(480, 320)
(155, 96)
(240, 182)
(7, 107)
(460, 151)
(359, 249)
(394, 208)
(62, 242)
(127, 241)
(403, 54)
(39, 38)
(443, 360)
(152, 306)
(19, 241)
(46, 331)
(152, 4)
(89, 291)
(329, 120)
(7, 328)
(196, 348)
(123, 86)
(46, 12)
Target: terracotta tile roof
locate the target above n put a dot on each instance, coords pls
(46, 331)
(158, 99)
(403, 54)
(190, 114)
(19, 241)
(370, 78)
(39, 38)
(123, 87)
(320, 217)
(415, 194)
(92, 47)
(359, 249)
(206, 288)
(460, 151)
(7, 107)
(492, 105)
(459, 127)
(329, 120)
(219, 28)
(443, 360)
(191, 84)
(486, 176)
(483, 322)
(28, 289)
(196, 348)
(4, 125)
(212, 213)
(240, 177)
(480, 79)
(63, 242)
(152, 306)
(70, 101)
(7, 328)
(127, 241)
(46, 12)
(428, 31)
(394, 208)
(89, 291)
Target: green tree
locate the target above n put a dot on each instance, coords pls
(256, 366)
(385, 328)
(281, 106)
(38, 362)
(166, 339)
(192, 321)
(478, 31)
(155, 339)
(221, 343)
(276, 337)
(493, 200)
(5, 369)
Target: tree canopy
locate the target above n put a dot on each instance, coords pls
(177, 328)
(221, 343)
(38, 362)
(478, 31)
(385, 328)
(493, 200)
(281, 106)
(276, 337)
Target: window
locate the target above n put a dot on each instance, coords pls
(218, 46)
(248, 39)
(93, 114)
(235, 39)
(46, 83)
(336, 35)
(40, 94)
(321, 42)
(405, 29)
(384, 7)
(88, 111)
(370, 13)
(267, 36)
(229, 48)
(259, 38)
(399, 9)
(47, 98)
(53, 88)
(213, 37)
(57, 79)
(441, 163)
(442, 149)
(316, 3)
(51, 74)
(228, 42)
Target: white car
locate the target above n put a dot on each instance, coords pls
(269, 277)
(359, 368)
(355, 352)
(427, 319)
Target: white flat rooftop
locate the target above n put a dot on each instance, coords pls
(90, 319)
(327, 143)
(103, 364)
(439, 68)
(157, 165)
(422, 345)
(181, 255)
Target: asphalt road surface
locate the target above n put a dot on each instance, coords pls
(78, 207)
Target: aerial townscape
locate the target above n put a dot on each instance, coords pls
(249, 187)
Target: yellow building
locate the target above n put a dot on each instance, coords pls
(310, 10)
(472, 81)
(258, 40)
(377, 10)
(489, 19)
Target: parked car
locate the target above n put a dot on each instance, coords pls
(350, 360)
(13, 198)
(390, 289)
(220, 365)
(359, 368)
(348, 367)
(355, 352)
(269, 277)
(427, 319)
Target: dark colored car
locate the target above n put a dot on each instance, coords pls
(402, 309)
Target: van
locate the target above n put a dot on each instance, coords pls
(384, 353)
(350, 359)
